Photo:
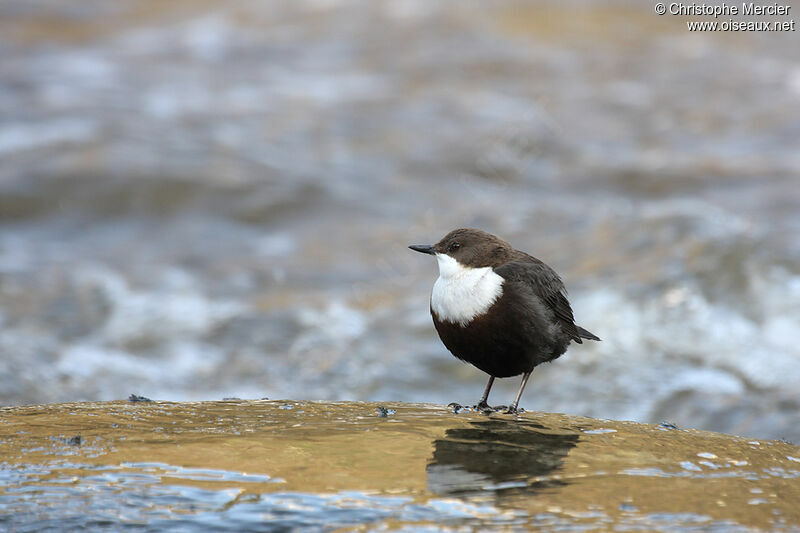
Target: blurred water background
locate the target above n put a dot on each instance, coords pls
(203, 200)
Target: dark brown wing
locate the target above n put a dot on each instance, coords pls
(547, 285)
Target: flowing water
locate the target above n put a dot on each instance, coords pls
(283, 465)
(203, 200)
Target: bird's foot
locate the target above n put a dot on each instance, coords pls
(487, 409)
(456, 407)
(513, 410)
(484, 407)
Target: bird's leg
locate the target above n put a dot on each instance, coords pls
(512, 409)
(482, 404)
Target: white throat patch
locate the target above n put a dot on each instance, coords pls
(462, 293)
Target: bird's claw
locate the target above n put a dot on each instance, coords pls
(483, 407)
(456, 407)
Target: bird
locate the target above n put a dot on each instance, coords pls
(499, 309)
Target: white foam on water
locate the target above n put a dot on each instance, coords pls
(208, 37)
(653, 349)
(29, 136)
(275, 245)
(177, 310)
(92, 361)
(793, 80)
(151, 339)
(337, 323)
(170, 374)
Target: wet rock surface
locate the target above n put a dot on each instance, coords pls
(280, 465)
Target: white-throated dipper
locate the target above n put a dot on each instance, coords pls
(497, 308)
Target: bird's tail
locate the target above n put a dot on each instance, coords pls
(587, 334)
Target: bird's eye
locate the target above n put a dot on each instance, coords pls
(454, 246)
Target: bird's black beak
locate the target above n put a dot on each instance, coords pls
(423, 248)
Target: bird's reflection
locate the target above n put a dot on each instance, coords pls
(497, 455)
